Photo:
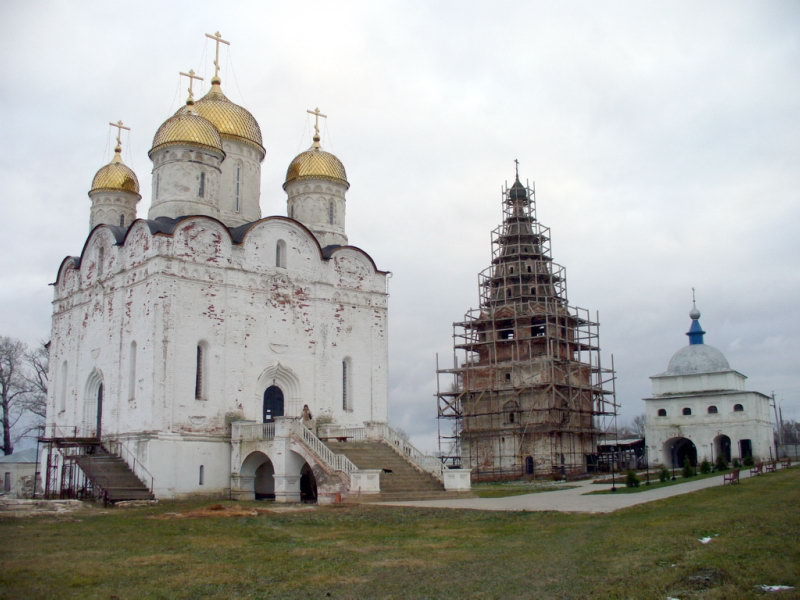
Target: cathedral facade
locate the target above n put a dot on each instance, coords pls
(169, 332)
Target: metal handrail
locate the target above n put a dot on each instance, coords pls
(117, 447)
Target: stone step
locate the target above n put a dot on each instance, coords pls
(402, 496)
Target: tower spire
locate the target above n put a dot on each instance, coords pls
(695, 332)
(217, 37)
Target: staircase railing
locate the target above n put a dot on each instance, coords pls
(339, 462)
(425, 462)
(120, 449)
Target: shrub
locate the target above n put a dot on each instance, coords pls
(663, 475)
(632, 480)
(748, 461)
(688, 469)
(736, 463)
(721, 463)
(705, 467)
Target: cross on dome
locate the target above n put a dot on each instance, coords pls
(118, 150)
(191, 75)
(317, 115)
(217, 37)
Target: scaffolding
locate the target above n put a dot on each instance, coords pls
(528, 395)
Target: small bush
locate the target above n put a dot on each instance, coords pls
(748, 461)
(705, 467)
(736, 463)
(663, 475)
(632, 480)
(721, 463)
(688, 469)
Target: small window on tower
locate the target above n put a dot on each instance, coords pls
(202, 191)
(712, 410)
(687, 411)
(330, 212)
(738, 408)
(122, 220)
(238, 186)
(662, 412)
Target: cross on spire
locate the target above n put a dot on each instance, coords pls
(218, 39)
(516, 167)
(694, 305)
(317, 115)
(118, 150)
(191, 75)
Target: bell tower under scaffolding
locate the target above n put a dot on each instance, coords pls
(528, 395)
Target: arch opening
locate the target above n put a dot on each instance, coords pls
(273, 403)
(722, 447)
(308, 485)
(677, 450)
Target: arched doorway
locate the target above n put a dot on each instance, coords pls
(93, 407)
(259, 467)
(722, 447)
(273, 403)
(308, 484)
(677, 450)
(529, 465)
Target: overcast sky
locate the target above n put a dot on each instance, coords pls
(663, 139)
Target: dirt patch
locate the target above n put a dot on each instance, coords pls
(220, 510)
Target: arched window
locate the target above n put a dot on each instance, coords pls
(687, 411)
(101, 258)
(122, 220)
(200, 372)
(202, 191)
(738, 408)
(712, 410)
(132, 371)
(511, 409)
(156, 192)
(280, 254)
(238, 187)
(330, 212)
(202, 474)
(662, 412)
(347, 402)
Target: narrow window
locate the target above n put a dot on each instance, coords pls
(7, 482)
(280, 254)
(662, 412)
(101, 258)
(132, 372)
(202, 474)
(291, 211)
(508, 376)
(198, 378)
(687, 411)
(738, 408)
(529, 268)
(346, 403)
(238, 186)
(156, 194)
(330, 212)
(63, 392)
(202, 191)
(712, 410)
(511, 417)
(122, 220)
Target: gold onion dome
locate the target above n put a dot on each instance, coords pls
(315, 163)
(187, 128)
(229, 118)
(115, 176)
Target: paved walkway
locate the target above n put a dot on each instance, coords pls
(572, 500)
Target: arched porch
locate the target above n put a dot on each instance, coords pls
(677, 450)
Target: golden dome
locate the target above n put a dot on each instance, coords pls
(187, 128)
(115, 176)
(230, 119)
(315, 163)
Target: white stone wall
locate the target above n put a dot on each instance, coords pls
(682, 384)
(258, 322)
(242, 164)
(176, 182)
(320, 205)
(108, 207)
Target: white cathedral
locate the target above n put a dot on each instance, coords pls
(210, 345)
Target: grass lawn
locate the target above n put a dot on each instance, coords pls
(516, 488)
(368, 551)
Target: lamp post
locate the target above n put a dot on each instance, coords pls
(674, 458)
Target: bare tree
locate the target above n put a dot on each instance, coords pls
(14, 387)
(638, 425)
(38, 362)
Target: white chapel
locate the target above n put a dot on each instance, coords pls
(213, 350)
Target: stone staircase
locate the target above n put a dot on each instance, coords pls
(113, 476)
(400, 480)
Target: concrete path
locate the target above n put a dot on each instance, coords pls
(571, 500)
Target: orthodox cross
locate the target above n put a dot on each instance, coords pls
(516, 166)
(693, 301)
(317, 115)
(218, 39)
(191, 77)
(118, 150)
